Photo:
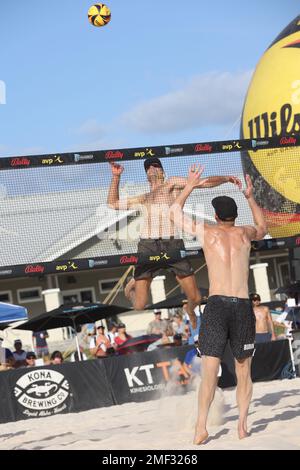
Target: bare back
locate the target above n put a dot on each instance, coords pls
(227, 251)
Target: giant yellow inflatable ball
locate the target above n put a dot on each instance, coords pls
(272, 108)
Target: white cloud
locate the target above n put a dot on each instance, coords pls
(204, 100)
(92, 127)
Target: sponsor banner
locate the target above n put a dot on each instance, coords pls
(149, 375)
(203, 148)
(34, 269)
(144, 153)
(46, 391)
(231, 146)
(6, 272)
(20, 162)
(173, 150)
(254, 143)
(55, 160)
(114, 155)
(42, 392)
(131, 259)
(83, 158)
(94, 263)
(145, 375)
(259, 143)
(67, 266)
(77, 265)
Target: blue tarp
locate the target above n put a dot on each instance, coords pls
(10, 313)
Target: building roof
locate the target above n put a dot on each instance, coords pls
(71, 224)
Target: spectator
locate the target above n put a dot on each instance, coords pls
(264, 324)
(56, 358)
(112, 333)
(177, 339)
(83, 336)
(122, 335)
(100, 344)
(40, 343)
(180, 327)
(19, 354)
(163, 341)
(281, 320)
(30, 359)
(74, 356)
(157, 326)
(7, 360)
(193, 332)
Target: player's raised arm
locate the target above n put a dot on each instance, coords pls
(259, 230)
(182, 221)
(209, 182)
(113, 198)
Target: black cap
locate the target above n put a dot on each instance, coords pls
(121, 325)
(177, 336)
(30, 355)
(225, 208)
(152, 162)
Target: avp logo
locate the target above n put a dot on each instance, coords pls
(42, 392)
(70, 265)
(144, 153)
(2, 92)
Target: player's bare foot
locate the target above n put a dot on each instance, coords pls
(242, 432)
(200, 437)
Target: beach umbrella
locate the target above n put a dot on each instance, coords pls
(137, 344)
(72, 315)
(274, 304)
(293, 314)
(289, 289)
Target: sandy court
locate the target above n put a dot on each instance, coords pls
(166, 424)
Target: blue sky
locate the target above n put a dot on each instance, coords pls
(159, 73)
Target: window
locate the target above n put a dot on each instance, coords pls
(78, 295)
(6, 297)
(107, 285)
(271, 271)
(284, 273)
(30, 294)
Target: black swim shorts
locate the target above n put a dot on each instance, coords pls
(161, 249)
(227, 318)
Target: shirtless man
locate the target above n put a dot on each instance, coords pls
(264, 323)
(228, 313)
(158, 234)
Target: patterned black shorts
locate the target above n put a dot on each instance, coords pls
(227, 318)
(159, 247)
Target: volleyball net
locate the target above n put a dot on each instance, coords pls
(56, 216)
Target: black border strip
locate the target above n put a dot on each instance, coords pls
(139, 153)
(89, 264)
